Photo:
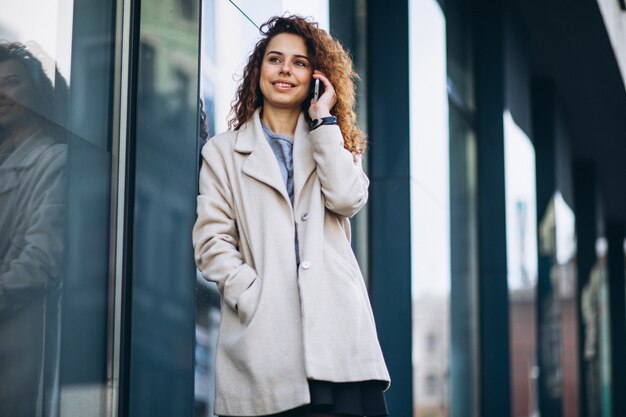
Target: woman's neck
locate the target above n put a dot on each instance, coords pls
(281, 121)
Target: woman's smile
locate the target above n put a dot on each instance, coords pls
(283, 85)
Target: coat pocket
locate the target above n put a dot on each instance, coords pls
(338, 265)
(248, 301)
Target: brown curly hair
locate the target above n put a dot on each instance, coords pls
(325, 54)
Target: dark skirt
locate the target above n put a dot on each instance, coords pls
(362, 399)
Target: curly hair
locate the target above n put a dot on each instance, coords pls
(325, 54)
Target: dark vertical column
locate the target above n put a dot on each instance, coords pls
(390, 237)
(615, 236)
(544, 135)
(495, 396)
(586, 234)
(586, 218)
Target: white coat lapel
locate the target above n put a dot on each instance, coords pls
(303, 163)
(261, 164)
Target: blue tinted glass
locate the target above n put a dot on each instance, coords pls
(163, 271)
(57, 74)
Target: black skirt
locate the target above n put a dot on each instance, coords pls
(361, 399)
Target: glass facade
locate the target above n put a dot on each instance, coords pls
(464, 304)
(164, 155)
(59, 72)
(443, 209)
(522, 266)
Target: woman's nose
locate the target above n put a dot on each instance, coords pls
(286, 68)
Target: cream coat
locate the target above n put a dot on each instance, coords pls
(32, 212)
(281, 323)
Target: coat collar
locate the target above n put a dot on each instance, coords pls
(22, 157)
(262, 164)
(26, 152)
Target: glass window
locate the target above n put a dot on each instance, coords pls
(557, 322)
(464, 331)
(165, 156)
(444, 212)
(348, 25)
(59, 65)
(521, 209)
(430, 207)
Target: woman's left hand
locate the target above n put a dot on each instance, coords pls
(321, 107)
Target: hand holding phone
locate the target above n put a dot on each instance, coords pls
(322, 96)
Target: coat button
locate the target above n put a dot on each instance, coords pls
(305, 265)
(305, 217)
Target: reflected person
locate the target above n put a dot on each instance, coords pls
(32, 207)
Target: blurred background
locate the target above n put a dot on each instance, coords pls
(493, 243)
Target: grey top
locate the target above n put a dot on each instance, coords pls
(282, 146)
(283, 149)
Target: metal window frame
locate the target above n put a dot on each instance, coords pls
(121, 192)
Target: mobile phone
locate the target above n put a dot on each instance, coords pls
(316, 90)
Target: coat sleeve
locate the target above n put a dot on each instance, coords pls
(344, 184)
(215, 236)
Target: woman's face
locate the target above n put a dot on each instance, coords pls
(16, 94)
(286, 72)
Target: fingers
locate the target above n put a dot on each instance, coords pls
(324, 79)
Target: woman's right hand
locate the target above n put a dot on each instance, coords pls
(321, 107)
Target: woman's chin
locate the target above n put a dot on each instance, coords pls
(285, 100)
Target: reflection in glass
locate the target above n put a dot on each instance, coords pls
(464, 330)
(56, 136)
(597, 354)
(558, 329)
(464, 381)
(164, 276)
(32, 212)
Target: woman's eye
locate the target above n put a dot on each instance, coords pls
(300, 63)
(274, 59)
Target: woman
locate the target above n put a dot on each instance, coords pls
(297, 335)
(32, 212)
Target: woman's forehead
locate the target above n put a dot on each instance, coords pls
(287, 44)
